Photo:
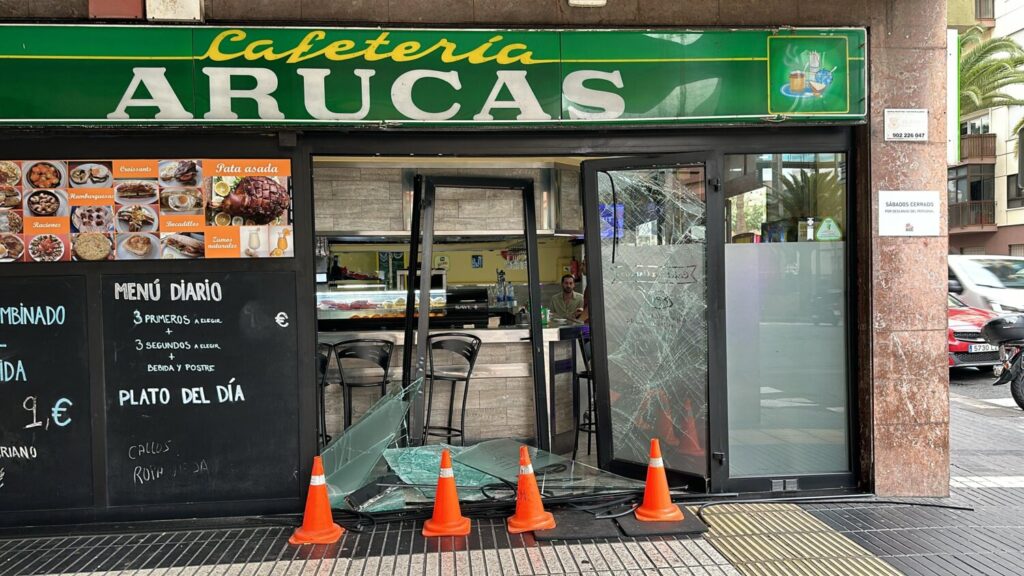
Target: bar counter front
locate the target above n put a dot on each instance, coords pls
(500, 400)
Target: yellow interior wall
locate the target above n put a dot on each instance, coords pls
(361, 262)
(552, 252)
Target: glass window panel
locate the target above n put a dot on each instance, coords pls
(785, 275)
(356, 457)
(556, 476)
(653, 257)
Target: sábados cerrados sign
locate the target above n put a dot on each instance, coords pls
(89, 75)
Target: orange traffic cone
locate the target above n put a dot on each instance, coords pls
(691, 445)
(448, 519)
(657, 505)
(530, 514)
(318, 525)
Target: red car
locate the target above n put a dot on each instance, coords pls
(966, 346)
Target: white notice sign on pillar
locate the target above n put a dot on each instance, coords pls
(906, 125)
(903, 213)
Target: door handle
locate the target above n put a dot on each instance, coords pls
(525, 339)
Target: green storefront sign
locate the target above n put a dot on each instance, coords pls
(93, 75)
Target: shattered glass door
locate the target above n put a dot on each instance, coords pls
(653, 255)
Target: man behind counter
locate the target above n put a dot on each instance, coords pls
(568, 304)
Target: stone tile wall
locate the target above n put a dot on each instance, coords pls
(365, 199)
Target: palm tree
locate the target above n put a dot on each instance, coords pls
(808, 194)
(987, 68)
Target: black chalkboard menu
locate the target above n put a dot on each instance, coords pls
(200, 373)
(45, 425)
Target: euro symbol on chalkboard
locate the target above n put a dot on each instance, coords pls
(58, 412)
(281, 319)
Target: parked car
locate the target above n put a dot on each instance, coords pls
(988, 282)
(966, 346)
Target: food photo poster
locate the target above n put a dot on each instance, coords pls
(102, 210)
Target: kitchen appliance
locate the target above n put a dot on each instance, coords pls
(438, 279)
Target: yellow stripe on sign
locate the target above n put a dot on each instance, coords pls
(649, 60)
(43, 57)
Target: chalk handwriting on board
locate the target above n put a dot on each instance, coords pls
(188, 360)
(44, 433)
(182, 291)
(19, 452)
(12, 371)
(143, 449)
(57, 413)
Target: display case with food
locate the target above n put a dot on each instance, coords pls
(384, 304)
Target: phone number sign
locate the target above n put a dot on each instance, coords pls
(906, 125)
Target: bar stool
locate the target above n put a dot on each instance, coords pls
(323, 359)
(589, 420)
(371, 352)
(466, 347)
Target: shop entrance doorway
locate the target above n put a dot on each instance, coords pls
(421, 258)
(650, 315)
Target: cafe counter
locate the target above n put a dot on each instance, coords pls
(500, 401)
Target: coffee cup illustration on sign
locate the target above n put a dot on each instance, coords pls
(808, 78)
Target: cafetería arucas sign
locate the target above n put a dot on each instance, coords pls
(92, 75)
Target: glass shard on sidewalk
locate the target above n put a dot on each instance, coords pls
(369, 469)
(556, 475)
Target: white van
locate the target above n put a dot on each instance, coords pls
(988, 282)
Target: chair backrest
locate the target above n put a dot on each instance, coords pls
(373, 350)
(463, 345)
(323, 358)
(585, 349)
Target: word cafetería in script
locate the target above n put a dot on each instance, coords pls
(586, 102)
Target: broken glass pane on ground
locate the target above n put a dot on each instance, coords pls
(370, 468)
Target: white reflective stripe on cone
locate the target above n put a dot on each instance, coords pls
(446, 473)
(317, 481)
(657, 463)
(528, 469)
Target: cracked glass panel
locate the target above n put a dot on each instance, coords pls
(356, 457)
(785, 286)
(653, 257)
(556, 476)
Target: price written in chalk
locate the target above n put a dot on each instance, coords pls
(59, 413)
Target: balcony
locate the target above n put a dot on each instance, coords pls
(978, 149)
(977, 216)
